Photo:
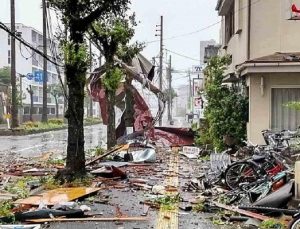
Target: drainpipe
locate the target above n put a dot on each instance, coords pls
(249, 30)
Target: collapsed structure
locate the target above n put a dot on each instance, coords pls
(142, 71)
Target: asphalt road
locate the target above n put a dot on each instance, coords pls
(54, 141)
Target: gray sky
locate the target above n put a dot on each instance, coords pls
(180, 17)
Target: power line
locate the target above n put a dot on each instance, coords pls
(204, 28)
(14, 34)
(184, 56)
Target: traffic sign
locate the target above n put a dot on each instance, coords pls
(29, 76)
(196, 69)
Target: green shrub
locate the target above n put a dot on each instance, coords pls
(30, 125)
(226, 112)
(91, 120)
(56, 121)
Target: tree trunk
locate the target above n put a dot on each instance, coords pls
(75, 164)
(56, 106)
(31, 105)
(111, 127)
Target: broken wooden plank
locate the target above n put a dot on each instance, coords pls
(116, 149)
(58, 196)
(242, 212)
(124, 219)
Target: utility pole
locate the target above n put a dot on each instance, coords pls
(190, 91)
(161, 56)
(14, 107)
(45, 70)
(170, 89)
(91, 69)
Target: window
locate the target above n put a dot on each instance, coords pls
(34, 59)
(40, 39)
(8, 40)
(34, 110)
(35, 99)
(34, 35)
(229, 23)
(51, 111)
(26, 110)
(9, 58)
(284, 118)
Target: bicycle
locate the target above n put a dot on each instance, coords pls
(250, 170)
(295, 223)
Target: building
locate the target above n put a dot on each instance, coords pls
(180, 102)
(264, 46)
(203, 46)
(30, 64)
(210, 51)
(29, 67)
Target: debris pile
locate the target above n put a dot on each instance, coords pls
(258, 186)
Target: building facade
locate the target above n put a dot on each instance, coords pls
(29, 68)
(264, 46)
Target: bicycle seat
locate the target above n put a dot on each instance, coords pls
(258, 157)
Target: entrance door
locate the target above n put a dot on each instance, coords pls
(284, 118)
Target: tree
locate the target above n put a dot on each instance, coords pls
(112, 36)
(77, 17)
(226, 112)
(57, 92)
(5, 76)
(30, 91)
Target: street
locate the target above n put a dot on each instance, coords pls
(54, 141)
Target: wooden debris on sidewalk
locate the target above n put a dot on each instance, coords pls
(113, 219)
(114, 150)
(58, 196)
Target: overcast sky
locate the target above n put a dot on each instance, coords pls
(180, 17)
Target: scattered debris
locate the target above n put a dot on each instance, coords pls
(57, 196)
(115, 219)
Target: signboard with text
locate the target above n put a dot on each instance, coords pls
(196, 69)
(37, 76)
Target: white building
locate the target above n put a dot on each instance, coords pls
(29, 62)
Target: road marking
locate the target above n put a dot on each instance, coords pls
(168, 219)
(21, 150)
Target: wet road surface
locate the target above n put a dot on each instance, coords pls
(54, 141)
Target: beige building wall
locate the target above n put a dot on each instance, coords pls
(260, 100)
(270, 30)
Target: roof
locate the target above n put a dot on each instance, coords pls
(218, 4)
(277, 57)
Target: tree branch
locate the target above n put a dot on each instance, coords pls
(93, 16)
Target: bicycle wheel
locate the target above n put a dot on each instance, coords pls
(241, 172)
(295, 223)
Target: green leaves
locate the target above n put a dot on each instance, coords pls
(112, 78)
(76, 55)
(226, 111)
(5, 75)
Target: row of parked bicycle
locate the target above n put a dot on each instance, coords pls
(267, 169)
